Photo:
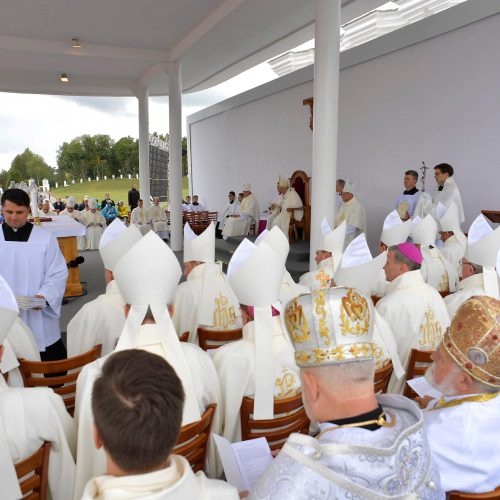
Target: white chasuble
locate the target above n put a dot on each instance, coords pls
(453, 250)
(438, 271)
(236, 367)
(158, 217)
(417, 316)
(140, 217)
(353, 212)
(249, 214)
(231, 209)
(97, 322)
(36, 267)
(467, 288)
(281, 216)
(96, 224)
(320, 278)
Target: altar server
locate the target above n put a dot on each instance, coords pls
(287, 198)
(249, 214)
(205, 299)
(147, 276)
(454, 241)
(140, 217)
(407, 201)
(447, 191)
(363, 437)
(261, 365)
(353, 212)
(95, 224)
(101, 320)
(158, 218)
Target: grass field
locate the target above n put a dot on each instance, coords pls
(117, 188)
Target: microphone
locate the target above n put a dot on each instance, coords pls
(75, 263)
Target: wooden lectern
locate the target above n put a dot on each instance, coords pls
(68, 248)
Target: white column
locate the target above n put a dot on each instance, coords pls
(175, 154)
(326, 104)
(143, 97)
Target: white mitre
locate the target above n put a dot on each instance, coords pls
(246, 187)
(332, 240)
(255, 274)
(8, 314)
(283, 181)
(70, 200)
(147, 276)
(395, 231)
(449, 220)
(277, 240)
(350, 187)
(482, 247)
(423, 231)
(199, 247)
(116, 240)
(92, 203)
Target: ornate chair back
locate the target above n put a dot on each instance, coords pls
(300, 181)
(212, 339)
(33, 474)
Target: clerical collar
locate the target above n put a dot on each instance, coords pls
(370, 416)
(411, 191)
(440, 188)
(20, 234)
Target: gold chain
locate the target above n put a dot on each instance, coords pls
(381, 421)
(469, 399)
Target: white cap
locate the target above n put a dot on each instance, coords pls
(92, 203)
(350, 187)
(358, 269)
(246, 186)
(46, 202)
(332, 241)
(448, 217)
(283, 181)
(277, 240)
(8, 309)
(116, 240)
(199, 247)
(395, 231)
(423, 231)
(70, 200)
(482, 243)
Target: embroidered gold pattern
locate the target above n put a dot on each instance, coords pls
(323, 278)
(481, 398)
(321, 311)
(296, 323)
(354, 314)
(223, 316)
(287, 385)
(430, 330)
(338, 353)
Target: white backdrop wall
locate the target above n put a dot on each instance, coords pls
(436, 101)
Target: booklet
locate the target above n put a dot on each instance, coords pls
(25, 302)
(244, 462)
(423, 388)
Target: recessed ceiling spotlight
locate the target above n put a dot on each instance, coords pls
(64, 78)
(76, 43)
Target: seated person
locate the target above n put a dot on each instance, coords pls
(137, 406)
(462, 427)
(233, 208)
(47, 209)
(249, 214)
(109, 212)
(95, 224)
(352, 211)
(363, 436)
(140, 217)
(107, 199)
(122, 211)
(186, 205)
(59, 205)
(158, 218)
(196, 206)
(287, 198)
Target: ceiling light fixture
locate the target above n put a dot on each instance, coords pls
(64, 78)
(76, 43)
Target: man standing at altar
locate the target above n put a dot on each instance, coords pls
(239, 224)
(34, 267)
(287, 198)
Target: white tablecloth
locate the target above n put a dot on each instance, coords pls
(64, 226)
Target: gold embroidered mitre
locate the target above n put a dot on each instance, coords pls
(331, 326)
(473, 339)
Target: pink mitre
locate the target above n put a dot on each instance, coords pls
(411, 251)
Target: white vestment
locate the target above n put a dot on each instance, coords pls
(249, 214)
(289, 289)
(353, 212)
(356, 463)
(176, 482)
(97, 322)
(140, 217)
(417, 316)
(379, 288)
(320, 278)
(158, 218)
(96, 224)
(465, 443)
(467, 288)
(90, 461)
(449, 193)
(406, 203)
(235, 365)
(438, 271)
(280, 216)
(50, 213)
(32, 416)
(219, 301)
(453, 250)
(36, 267)
(231, 209)
(78, 216)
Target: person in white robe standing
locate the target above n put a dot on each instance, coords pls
(328, 255)
(339, 187)
(414, 310)
(71, 211)
(288, 198)
(363, 436)
(462, 426)
(353, 212)
(158, 218)
(261, 365)
(28, 418)
(147, 276)
(249, 214)
(95, 223)
(447, 190)
(137, 406)
(454, 241)
(101, 320)
(205, 299)
(140, 217)
(407, 201)
(33, 266)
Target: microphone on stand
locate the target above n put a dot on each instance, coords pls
(75, 263)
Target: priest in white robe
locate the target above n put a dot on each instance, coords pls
(363, 437)
(147, 276)
(205, 299)
(158, 217)
(71, 211)
(328, 255)
(353, 212)
(47, 209)
(447, 191)
(454, 241)
(407, 201)
(462, 426)
(232, 208)
(239, 224)
(414, 310)
(140, 217)
(28, 418)
(288, 198)
(95, 223)
(101, 320)
(261, 365)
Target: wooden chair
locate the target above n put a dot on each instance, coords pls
(290, 417)
(375, 299)
(300, 181)
(64, 385)
(413, 370)
(382, 377)
(193, 439)
(184, 337)
(212, 339)
(33, 474)
(444, 294)
(490, 495)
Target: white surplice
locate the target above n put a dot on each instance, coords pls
(235, 364)
(96, 224)
(36, 267)
(91, 461)
(417, 316)
(140, 217)
(353, 212)
(281, 216)
(176, 482)
(97, 322)
(320, 278)
(449, 193)
(231, 209)
(356, 463)
(158, 218)
(467, 288)
(465, 443)
(406, 203)
(438, 271)
(249, 214)
(32, 416)
(189, 299)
